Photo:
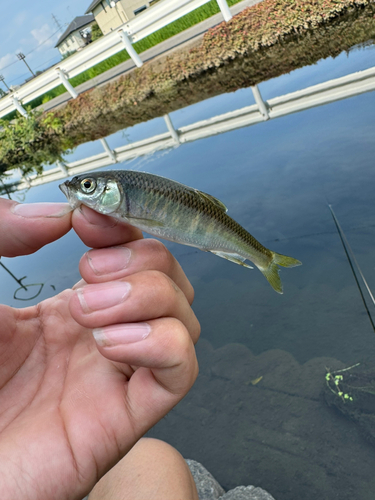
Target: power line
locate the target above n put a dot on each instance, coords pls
(46, 62)
(57, 22)
(33, 50)
(11, 64)
(41, 43)
(19, 77)
(3, 80)
(22, 57)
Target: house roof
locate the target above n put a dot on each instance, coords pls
(77, 23)
(92, 6)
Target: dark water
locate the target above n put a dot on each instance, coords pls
(277, 178)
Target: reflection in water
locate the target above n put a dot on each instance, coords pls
(156, 97)
(277, 177)
(18, 292)
(313, 96)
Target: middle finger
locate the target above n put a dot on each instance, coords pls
(108, 264)
(141, 297)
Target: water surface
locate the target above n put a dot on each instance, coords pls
(277, 179)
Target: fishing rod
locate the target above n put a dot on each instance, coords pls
(352, 259)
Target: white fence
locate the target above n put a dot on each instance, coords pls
(316, 95)
(132, 31)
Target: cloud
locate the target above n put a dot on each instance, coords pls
(7, 59)
(44, 36)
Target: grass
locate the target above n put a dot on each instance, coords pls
(182, 24)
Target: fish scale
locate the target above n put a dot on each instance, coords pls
(170, 210)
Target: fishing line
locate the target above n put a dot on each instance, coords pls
(350, 256)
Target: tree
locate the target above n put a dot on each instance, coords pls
(96, 32)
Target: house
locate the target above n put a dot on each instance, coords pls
(110, 14)
(76, 35)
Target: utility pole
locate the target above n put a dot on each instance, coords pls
(57, 22)
(22, 57)
(2, 80)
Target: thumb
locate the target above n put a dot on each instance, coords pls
(24, 228)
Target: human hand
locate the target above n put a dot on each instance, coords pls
(69, 408)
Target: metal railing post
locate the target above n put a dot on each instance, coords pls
(129, 48)
(19, 107)
(108, 150)
(263, 108)
(227, 15)
(171, 129)
(24, 177)
(62, 167)
(69, 87)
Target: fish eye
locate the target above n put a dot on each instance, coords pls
(88, 185)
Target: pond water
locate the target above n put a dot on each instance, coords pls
(278, 179)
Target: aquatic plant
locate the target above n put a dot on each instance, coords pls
(29, 143)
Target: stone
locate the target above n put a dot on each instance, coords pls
(207, 486)
(247, 493)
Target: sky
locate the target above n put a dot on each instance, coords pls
(28, 27)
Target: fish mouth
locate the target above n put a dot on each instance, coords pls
(64, 188)
(73, 201)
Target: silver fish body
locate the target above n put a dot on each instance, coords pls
(175, 212)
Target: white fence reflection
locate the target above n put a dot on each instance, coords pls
(316, 95)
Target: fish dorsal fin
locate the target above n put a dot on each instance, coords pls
(213, 200)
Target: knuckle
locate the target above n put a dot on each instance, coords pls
(196, 330)
(161, 253)
(161, 283)
(181, 338)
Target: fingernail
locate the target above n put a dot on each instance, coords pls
(108, 260)
(97, 219)
(30, 210)
(103, 296)
(121, 334)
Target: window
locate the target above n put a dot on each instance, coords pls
(139, 10)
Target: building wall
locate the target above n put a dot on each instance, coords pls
(109, 18)
(72, 43)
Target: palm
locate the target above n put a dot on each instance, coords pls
(70, 407)
(72, 393)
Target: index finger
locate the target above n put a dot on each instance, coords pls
(100, 231)
(24, 228)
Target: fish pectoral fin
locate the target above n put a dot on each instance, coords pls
(233, 257)
(145, 222)
(213, 200)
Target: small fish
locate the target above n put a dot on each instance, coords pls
(175, 212)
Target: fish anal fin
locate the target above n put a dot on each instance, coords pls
(145, 222)
(233, 257)
(213, 200)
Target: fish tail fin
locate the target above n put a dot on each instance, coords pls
(271, 273)
(284, 261)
